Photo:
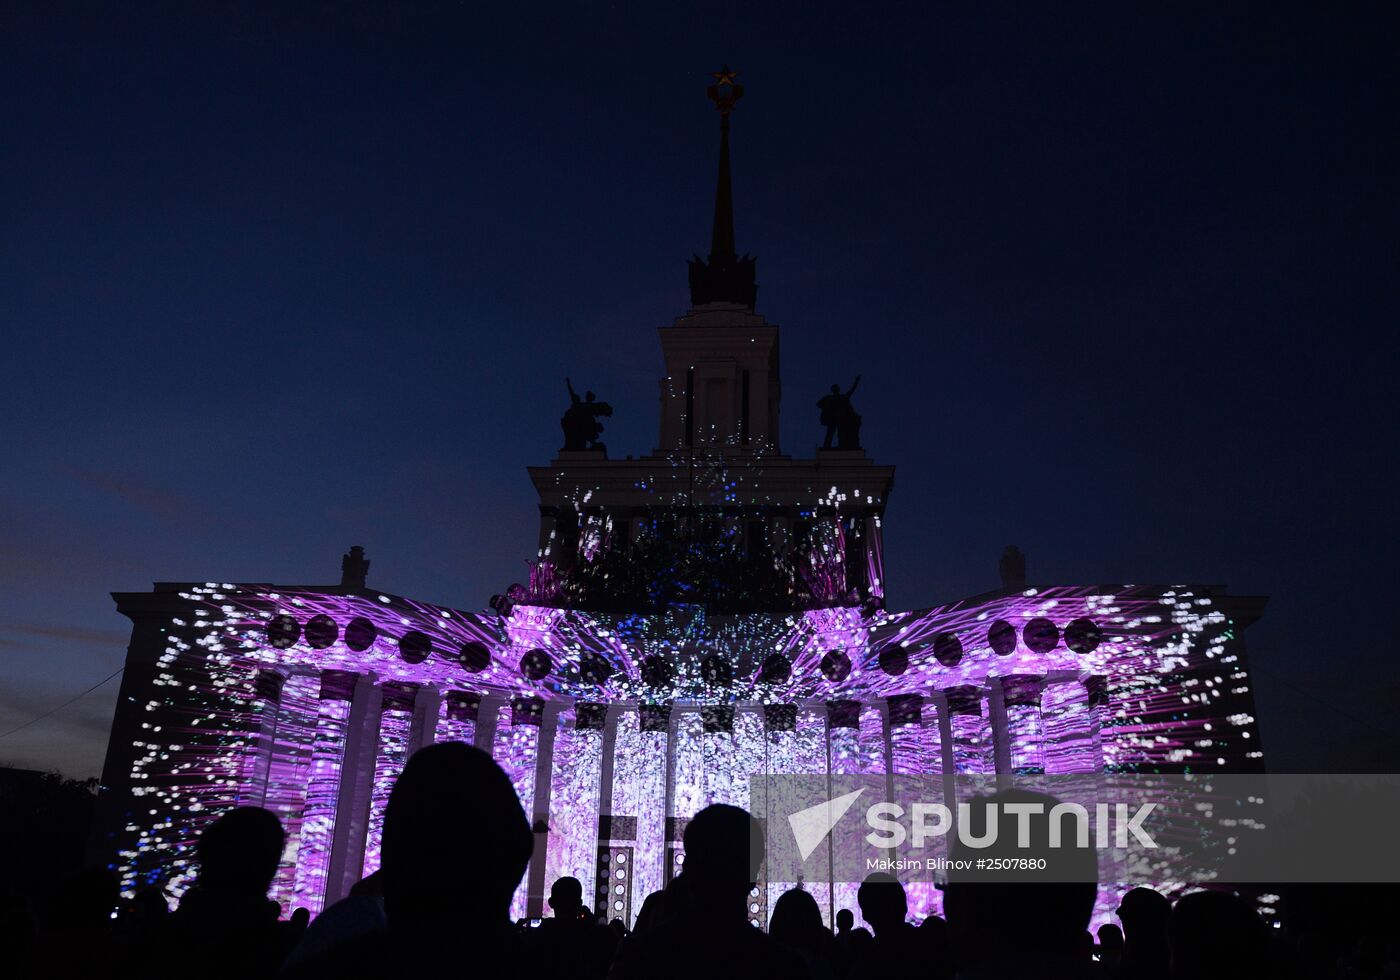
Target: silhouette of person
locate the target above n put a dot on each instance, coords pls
(358, 914)
(1110, 947)
(840, 417)
(1146, 917)
(933, 936)
(797, 924)
(1004, 926)
(1216, 935)
(572, 944)
(226, 918)
(711, 934)
(455, 846)
(898, 949)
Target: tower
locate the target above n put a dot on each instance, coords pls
(716, 488)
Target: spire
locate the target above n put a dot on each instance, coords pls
(725, 278)
(724, 94)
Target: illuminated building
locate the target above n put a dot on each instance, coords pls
(695, 615)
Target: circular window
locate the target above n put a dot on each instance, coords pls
(716, 671)
(1041, 635)
(776, 669)
(1001, 637)
(947, 649)
(415, 647)
(283, 631)
(894, 660)
(1083, 636)
(835, 666)
(474, 657)
(321, 631)
(594, 668)
(360, 634)
(536, 665)
(657, 671)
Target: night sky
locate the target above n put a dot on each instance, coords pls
(1120, 278)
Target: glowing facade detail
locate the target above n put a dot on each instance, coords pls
(689, 618)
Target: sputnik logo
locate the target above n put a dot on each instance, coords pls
(811, 826)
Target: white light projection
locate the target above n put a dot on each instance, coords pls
(1139, 678)
(573, 803)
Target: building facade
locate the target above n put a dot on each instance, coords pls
(705, 612)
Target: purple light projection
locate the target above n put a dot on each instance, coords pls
(1153, 682)
(394, 726)
(573, 801)
(322, 795)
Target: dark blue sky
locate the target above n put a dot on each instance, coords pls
(1121, 280)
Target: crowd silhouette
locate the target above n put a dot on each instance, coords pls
(455, 847)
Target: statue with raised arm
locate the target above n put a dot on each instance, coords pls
(840, 418)
(580, 422)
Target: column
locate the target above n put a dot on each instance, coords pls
(844, 758)
(427, 708)
(540, 813)
(1104, 751)
(395, 724)
(617, 831)
(914, 750)
(323, 789)
(262, 735)
(356, 784)
(289, 771)
(515, 747)
(574, 803)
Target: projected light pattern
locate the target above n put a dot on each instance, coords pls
(516, 748)
(573, 803)
(639, 792)
(289, 771)
(394, 729)
(451, 729)
(915, 750)
(1162, 688)
(322, 799)
(1071, 729)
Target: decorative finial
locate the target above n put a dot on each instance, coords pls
(725, 92)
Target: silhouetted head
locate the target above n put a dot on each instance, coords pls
(723, 849)
(1144, 912)
(797, 920)
(589, 396)
(990, 917)
(566, 898)
(1216, 934)
(1110, 937)
(882, 902)
(845, 919)
(240, 851)
(836, 389)
(455, 838)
